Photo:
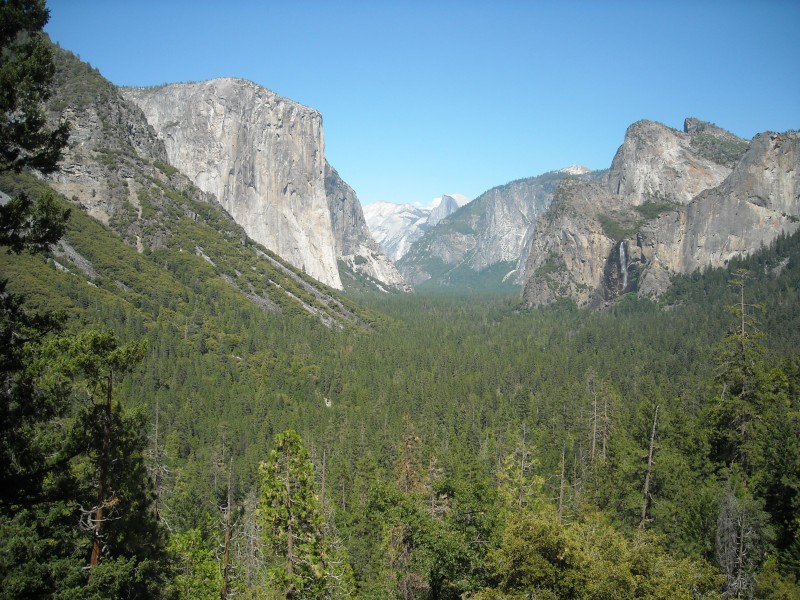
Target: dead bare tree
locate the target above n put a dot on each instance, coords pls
(649, 474)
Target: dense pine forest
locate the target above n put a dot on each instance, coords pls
(165, 436)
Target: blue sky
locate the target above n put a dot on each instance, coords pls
(424, 98)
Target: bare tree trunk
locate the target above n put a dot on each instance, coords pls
(157, 467)
(290, 560)
(594, 427)
(605, 426)
(561, 487)
(523, 467)
(322, 486)
(648, 476)
(102, 484)
(226, 556)
(290, 592)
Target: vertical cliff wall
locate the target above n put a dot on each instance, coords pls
(261, 155)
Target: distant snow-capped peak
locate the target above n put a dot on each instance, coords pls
(575, 170)
(396, 226)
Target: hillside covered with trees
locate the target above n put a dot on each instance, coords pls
(165, 435)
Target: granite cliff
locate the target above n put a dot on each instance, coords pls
(486, 242)
(672, 202)
(260, 155)
(115, 169)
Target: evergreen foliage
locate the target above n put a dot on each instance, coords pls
(26, 72)
(722, 149)
(293, 526)
(432, 446)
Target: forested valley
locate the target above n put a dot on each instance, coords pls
(162, 435)
(460, 446)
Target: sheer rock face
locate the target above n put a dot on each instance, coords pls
(261, 155)
(569, 250)
(510, 211)
(656, 163)
(597, 242)
(494, 228)
(354, 244)
(756, 203)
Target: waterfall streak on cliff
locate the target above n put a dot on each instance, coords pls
(623, 264)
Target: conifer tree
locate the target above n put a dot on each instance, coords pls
(742, 378)
(106, 448)
(293, 527)
(742, 428)
(26, 72)
(26, 141)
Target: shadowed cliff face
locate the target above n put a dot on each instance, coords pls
(671, 209)
(355, 247)
(261, 155)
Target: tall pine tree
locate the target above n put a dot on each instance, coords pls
(306, 565)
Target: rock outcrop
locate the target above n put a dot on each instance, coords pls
(656, 164)
(106, 132)
(569, 252)
(492, 233)
(759, 200)
(261, 155)
(354, 244)
(670, 204)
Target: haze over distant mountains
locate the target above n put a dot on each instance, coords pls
(396, 226)
(672, 202)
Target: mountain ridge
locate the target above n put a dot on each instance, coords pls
(491, 233)
(664, 208)
(115, 169)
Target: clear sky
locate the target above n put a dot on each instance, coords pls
(421, 98)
